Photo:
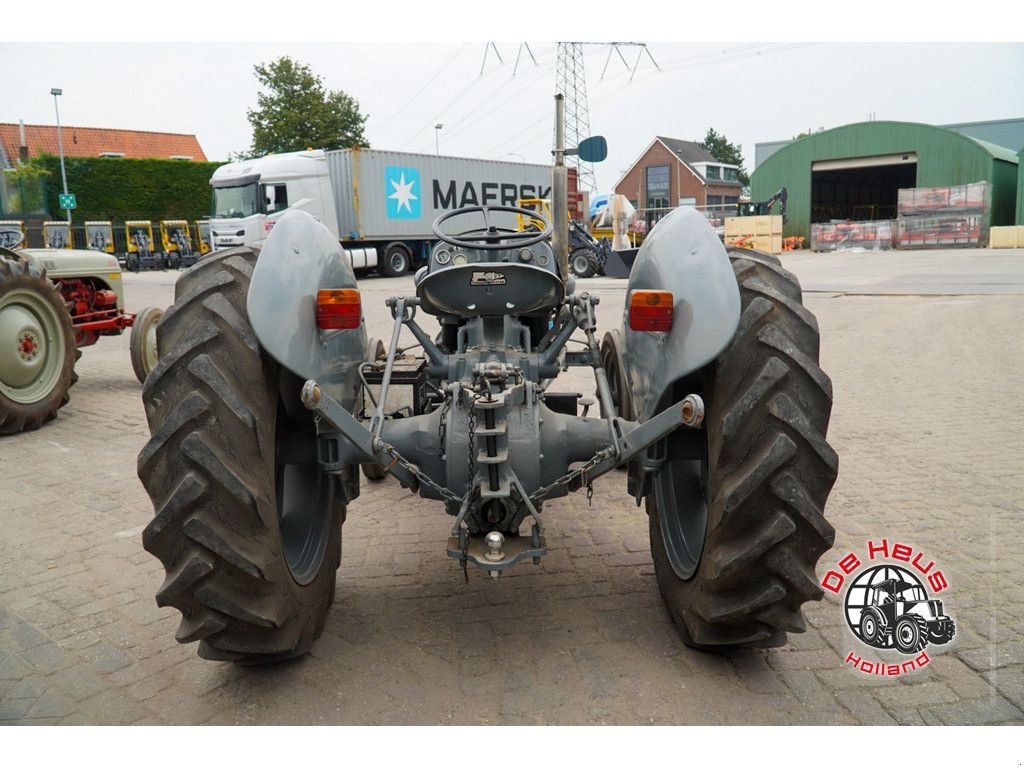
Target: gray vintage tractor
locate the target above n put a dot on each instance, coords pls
(710, 395)
(53, 302)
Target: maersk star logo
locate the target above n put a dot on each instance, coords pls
(402, 187)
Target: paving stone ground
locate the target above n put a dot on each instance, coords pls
(927, 423)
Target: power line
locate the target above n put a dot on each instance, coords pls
(421, 89)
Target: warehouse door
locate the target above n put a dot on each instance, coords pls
(860, 188)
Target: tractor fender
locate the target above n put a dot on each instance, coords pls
(682, 254)
(298, 258)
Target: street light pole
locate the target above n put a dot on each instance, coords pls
(55, 92)
(437, 145)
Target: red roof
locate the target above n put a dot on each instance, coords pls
(93, 142)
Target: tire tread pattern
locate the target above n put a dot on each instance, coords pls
(209, 469)
(772, 470)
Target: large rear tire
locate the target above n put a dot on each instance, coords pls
(251, 545)
(737, 514)
(37, 348)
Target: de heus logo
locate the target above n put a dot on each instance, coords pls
(888, 607)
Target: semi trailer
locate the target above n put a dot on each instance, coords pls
(379, 204)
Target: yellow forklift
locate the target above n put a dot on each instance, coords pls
(99, 236)
(12, 233)
(57, 234)
(141, 255)
(587, 255)
(202, 236)
(177, 243)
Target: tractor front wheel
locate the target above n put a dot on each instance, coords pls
(142, 344)
(37, 348)
(736, 515)
(247, 526)
(910, 633)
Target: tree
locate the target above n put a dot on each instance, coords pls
(295, 111)
(725, 152)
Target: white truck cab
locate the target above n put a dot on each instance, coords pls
(250, 195)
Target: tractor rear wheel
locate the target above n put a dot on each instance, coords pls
(142, 344)
(37, 348)
(871, 630)
(737, 514)
(250, 541)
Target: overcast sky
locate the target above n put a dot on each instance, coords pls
(750, 91)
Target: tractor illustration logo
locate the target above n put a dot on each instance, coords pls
(888, 607)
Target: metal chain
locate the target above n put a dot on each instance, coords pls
(471, 453)
(541, 493)
(442, 427)
(420, 476)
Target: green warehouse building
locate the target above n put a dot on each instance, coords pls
(854, 172)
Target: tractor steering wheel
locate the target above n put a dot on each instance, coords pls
(490, 237)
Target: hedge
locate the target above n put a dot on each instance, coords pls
(119, 189)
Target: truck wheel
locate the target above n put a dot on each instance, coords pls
(910, 633)
(581, 264)
(250, 543)
(737, 514)
(37, 348)
(396, 260)
(142, 344)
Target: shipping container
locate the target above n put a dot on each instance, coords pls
(380, 194)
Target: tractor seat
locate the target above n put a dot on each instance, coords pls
(489, 289)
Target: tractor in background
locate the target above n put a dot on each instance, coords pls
(52, 303)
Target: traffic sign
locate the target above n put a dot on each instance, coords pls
(67, 202)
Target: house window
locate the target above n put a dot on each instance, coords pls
(714, 200)
(714, 172)
(731, 200)
(657, 186)
(730, 174)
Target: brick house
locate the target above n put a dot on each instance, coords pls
(95, 142)
(673, 172)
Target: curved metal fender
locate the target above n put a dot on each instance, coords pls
(682, 254)
(299, 258)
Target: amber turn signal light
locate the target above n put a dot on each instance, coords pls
(338, 309)
(650, 311)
